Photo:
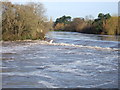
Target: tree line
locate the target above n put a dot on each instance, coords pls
(103, 24)
(28, 21)
(20, 22)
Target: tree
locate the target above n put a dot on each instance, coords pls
(100, 22)
(23, 21)
(59, 26)
(78, 24)
(111, 26)
(64, 19)
(100, 16)
(89, 19)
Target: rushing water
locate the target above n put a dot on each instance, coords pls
(71, 60)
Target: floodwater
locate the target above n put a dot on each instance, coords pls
(72, 60)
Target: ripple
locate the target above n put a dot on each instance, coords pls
(47, 84)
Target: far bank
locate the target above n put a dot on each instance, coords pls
(105, 24)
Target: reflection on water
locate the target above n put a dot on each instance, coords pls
(76, 35)
(109, 38)
(73, 60)
(85, 39)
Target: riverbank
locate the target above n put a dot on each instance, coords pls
(105, 24)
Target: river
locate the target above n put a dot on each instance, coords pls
(72, 60)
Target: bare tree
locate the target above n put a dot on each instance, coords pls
(24, 21)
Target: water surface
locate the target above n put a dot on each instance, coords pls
(72, 60)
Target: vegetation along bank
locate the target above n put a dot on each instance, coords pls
(21, 22)
(104, 24)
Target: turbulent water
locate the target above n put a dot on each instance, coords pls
(72, 60)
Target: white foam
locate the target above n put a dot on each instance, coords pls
(69, 68)
(102, 84)
(47, 84)
(23, 47)
(35, 73)
(81, 46)
(17, 47)
(35, 67)
(95, 85)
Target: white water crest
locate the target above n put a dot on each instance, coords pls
(81, 46)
